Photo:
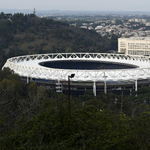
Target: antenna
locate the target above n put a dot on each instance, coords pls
(34, 12)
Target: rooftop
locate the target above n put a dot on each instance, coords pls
(137, 38)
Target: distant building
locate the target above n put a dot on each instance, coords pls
(90, 28)
(134, 45)
(98, 27)
(138, 20)
(83, 27)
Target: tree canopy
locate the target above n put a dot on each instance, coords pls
(28, 34)
(33, 117)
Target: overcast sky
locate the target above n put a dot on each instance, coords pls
(88, 5)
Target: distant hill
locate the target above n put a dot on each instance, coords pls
(28, 34)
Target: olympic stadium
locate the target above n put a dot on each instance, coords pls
(97, 72)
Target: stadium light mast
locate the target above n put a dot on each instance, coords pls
(71, 76)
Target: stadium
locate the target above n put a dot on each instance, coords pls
(97, 72)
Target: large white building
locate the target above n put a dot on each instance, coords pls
(134, 45)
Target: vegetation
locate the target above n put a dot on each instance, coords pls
(33, 117)
(27, 34)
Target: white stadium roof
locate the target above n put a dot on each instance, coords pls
(28, 66)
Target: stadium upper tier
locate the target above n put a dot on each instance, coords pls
(97, 66)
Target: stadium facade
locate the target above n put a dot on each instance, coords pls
(93, 71)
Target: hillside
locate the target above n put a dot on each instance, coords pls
(27, 34)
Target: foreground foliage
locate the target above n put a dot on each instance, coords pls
(83, 128)
(35, 118)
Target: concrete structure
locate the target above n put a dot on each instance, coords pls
(134, 45)
(137, 70)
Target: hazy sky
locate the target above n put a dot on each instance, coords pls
(89, 5)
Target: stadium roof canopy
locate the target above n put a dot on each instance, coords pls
(138, 67)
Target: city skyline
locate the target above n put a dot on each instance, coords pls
(78, 5)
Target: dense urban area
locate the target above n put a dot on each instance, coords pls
(108, 25)
(34, 117)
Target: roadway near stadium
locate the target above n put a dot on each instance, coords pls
(91, 71)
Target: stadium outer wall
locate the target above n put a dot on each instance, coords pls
(29, 67)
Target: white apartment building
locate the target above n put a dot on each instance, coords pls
(134, 45)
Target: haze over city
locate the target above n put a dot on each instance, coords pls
(84, 5)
